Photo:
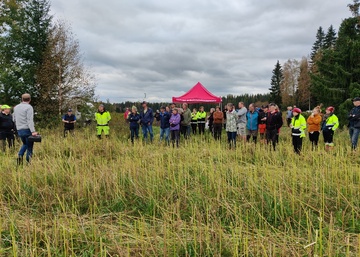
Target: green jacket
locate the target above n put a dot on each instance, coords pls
(102, 118)
(187, 118)
(298, 126)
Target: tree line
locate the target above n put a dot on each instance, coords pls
(42, 57)
(330, 76)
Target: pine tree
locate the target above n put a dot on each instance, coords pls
(330, 38)
(276, 79)
(319, 43)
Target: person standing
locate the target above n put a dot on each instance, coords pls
(134, 118)
(69, 120)
(126, 113)
(354, 123)
(164, 125)
(174, 121)
(273, 123)
(241, 122)
(329, 125)
(252, 117)
(194, 121)
(289, 115)
(102, 118)
(7, 127)
(262, 122)
(201, 117)
(146, 120)
(218, 122)
(314, 126)
(231, 126)
(24, 122)
(185, 123)
(298, 126)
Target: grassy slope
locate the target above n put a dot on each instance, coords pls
(87, 197)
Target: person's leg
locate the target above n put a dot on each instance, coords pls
(188, 131)
(132, 135)
(177, 137)
(234, 138)
(172, 133)
(248, 136)
(11, 139)
(299, 145)
(106, 131)
(150, 129)
(274, 138)
(162, 132)
(99, 131)
(144, 131)
(316, 138)
(167, 136)
(354, 137)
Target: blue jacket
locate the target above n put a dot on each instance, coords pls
(164, 120)
(252, 120)
(147, 117)
(133, 119)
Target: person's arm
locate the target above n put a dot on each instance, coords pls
(63, 120)
(151, 116)
(30, 120)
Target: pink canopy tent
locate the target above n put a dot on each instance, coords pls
(197, 94)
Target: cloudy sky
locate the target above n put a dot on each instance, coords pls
(162, 48)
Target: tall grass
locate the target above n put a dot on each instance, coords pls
(87, 197)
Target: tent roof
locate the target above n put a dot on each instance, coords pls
(197, 94)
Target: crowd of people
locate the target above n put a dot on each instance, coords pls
(241, 124)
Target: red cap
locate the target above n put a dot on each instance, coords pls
(330, 109)
(296, 110)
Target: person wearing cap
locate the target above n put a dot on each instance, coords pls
(134, 118)
(23, 117)
(314, 124)
(262, 122)
(102, 118)
(69, 120)
(273, 123)
(329, 125)
(354, 123)
(298, 126)
(146, 120)
(7, 127)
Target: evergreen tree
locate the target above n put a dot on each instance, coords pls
(275, 89)
(330, 38)
(25, 25)
(319, 43)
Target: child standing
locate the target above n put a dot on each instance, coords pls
(231, 126)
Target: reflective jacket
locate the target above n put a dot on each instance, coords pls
(201, 116)
(102, 118)
(298, 126)
(193, 118)
(332, 122)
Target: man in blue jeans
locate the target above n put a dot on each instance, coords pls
(146, 119)
(24, 121)
(354, 123)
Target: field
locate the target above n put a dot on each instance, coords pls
(87, 197)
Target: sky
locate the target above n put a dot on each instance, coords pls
(155, 49)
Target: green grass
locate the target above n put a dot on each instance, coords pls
(90, 197)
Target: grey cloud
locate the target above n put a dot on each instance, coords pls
(162, 48)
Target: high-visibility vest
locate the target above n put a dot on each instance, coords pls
(102, 118)
(299, 126)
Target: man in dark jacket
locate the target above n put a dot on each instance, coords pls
(146, 120)
(273, 123)
(354, 123)
(69, 120)
(7, 127)
(164, 125)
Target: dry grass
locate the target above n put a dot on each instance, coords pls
(89, 197)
